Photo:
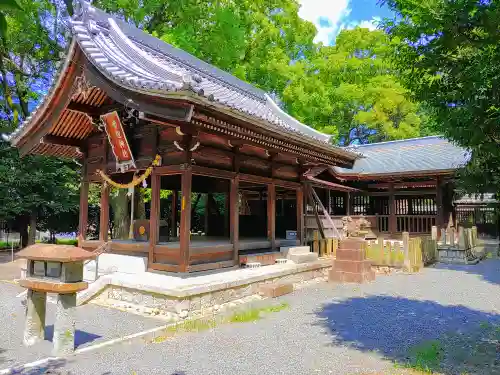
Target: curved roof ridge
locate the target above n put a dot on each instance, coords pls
(395, 141)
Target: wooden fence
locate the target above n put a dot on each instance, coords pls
(410, 254)
(324, 248)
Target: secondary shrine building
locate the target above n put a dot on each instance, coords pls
(138, 112)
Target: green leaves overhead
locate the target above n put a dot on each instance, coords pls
(351, 90)
(447, 53)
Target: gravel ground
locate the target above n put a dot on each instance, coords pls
(329, 329)
(93, 323)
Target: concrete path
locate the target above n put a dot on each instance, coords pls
(329, 329)
(94, 324)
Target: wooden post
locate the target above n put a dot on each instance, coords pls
(406, 250)
(173, 219)
(439, 204)
(84, 211)
(300, 215)
(154, 214)
(185, 231)
(392, 210)
(104, 215)
(271, 215)
(328, 203)
(348, 209)
(234, 217)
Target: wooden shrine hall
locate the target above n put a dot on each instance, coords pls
(138, 112)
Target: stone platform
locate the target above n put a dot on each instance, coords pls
(351, 265)
(175, 297)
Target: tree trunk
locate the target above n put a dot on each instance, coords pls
(32, 231)
(23, 234)
(121, 219)
(140, 207)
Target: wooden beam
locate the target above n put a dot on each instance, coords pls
(403, 185)
(300, 215)
(392, 210)
(92, 110)
(84, 210)
(104, 214)
(56, 140)
(212, 172)
(234, 217)
(154, 216)
(185, 235)
(402, 192)
(315, 210)
(271, 215)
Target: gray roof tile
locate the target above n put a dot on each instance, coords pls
(433, 153)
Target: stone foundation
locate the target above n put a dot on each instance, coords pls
(174, 308)
(455, 256)
(351, 265)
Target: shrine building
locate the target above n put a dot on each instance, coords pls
(136, 111)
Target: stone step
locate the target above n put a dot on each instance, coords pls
(265, 259)
(302, 258)
(281, 261)
(285, 251)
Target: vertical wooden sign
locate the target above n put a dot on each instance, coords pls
(118, 141)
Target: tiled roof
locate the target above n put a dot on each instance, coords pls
(136, 60)
(433, 153)
(140, 62)
(487, 198)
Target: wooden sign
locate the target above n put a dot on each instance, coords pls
(118, 141)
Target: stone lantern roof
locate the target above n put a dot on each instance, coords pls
(56, 253)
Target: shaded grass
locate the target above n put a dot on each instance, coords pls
(476, 351)
(204, 324)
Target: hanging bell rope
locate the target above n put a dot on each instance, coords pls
(136, 180)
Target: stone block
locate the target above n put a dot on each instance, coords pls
(351, 254)
(351, 244)
(352, 266)
(275, 290)
(294, 250)
(350, 277)
(302, 258)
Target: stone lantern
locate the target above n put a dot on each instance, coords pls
(54, 269)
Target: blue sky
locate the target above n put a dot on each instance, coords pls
(331, 16)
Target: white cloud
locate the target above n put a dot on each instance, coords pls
(318, 11)
(371, 24)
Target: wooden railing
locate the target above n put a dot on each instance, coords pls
(415, 223)
(383, 223)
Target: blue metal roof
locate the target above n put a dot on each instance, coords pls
(433, 153)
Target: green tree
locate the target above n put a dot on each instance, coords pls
(33, 186)
(255, 40)
(351, 91)
(448, 53)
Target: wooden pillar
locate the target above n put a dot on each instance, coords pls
(271, 215)
(348, 203)
(392, 210)
(84, 211)
(154, 214)
(328, 198)
(173, 218)
(185, 235)
(300, 215)
(104, 215)
(440, 220)
(234, 217)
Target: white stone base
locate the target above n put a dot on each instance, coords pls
(111, 263)
(288, 250)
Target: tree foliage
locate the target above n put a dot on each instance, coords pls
(448, 54)
(351, 90)
(255, 40)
